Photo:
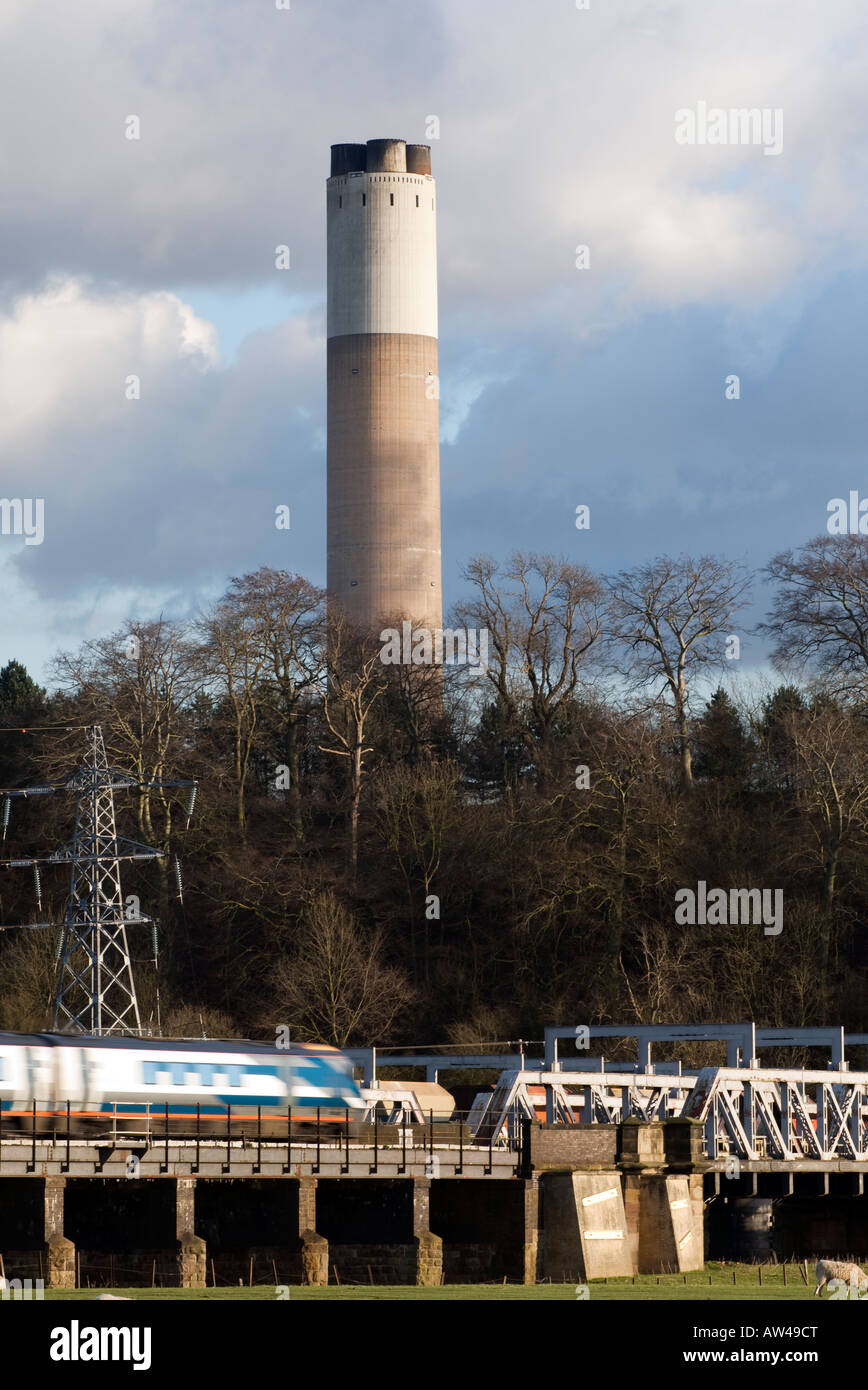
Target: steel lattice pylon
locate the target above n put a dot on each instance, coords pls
(96, 991)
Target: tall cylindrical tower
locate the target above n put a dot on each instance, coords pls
(383, 385)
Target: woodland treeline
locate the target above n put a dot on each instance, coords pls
(386, 853)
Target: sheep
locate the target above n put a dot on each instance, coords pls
(839, 1269)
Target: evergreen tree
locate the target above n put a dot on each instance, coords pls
(22, 702)
(723, 749)
(21, 699)
(775, 734)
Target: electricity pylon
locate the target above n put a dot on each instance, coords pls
(95, 990)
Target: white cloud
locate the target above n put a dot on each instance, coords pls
(177, 487)
(66, 353)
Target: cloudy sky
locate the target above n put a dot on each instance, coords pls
(155, 258)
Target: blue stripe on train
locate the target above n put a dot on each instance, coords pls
(205, 1073)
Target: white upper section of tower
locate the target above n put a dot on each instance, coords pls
(382, 254)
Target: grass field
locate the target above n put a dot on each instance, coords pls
(715, 1284)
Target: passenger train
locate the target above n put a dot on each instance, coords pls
(209, 1087)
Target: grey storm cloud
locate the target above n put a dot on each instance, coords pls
(556, 126)
(559, 385)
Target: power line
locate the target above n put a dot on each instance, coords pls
(43, 728)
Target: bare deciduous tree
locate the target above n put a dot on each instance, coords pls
(29, 978)
(542, 618)
(626, 806)
(819, 616)
(336, 988)
(415, 810)
(831, 754)
(789, 989)
(234, 660)
(355, 680)
(674, 977)
(137, 683)
(286, 616)
(671, 617)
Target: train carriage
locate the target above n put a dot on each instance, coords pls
(136, 1085)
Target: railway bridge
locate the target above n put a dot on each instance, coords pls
(567, 1167)
(410, 1204)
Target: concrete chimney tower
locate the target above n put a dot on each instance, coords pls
(383, 385)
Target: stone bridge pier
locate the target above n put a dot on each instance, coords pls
(617, 1200)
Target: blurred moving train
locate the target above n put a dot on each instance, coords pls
(126, 1083)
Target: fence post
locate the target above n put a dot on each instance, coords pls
(164, 1166)
(372, 1167)
(227, 1166)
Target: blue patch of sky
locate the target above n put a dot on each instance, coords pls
(238, 313)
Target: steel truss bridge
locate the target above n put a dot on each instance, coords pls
(748, 1112)
(751, 1114)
